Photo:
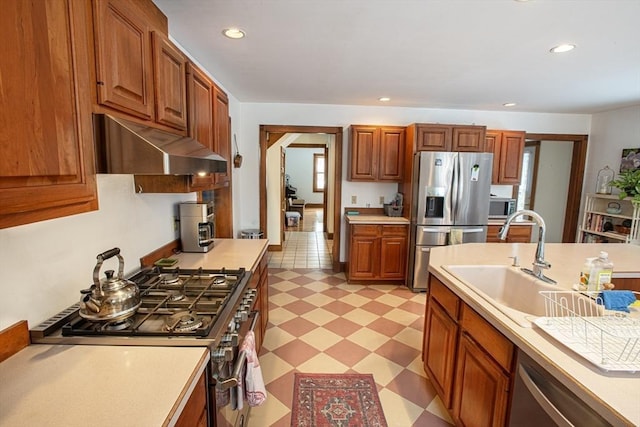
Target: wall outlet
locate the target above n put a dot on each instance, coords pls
(354, 200)
(382, 200)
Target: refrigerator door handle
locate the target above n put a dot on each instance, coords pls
(472, 230)
(454, 188)
(435, 230)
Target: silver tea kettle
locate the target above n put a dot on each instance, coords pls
(112, 298)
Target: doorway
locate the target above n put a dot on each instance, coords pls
(271, 135)
(545, 168)
(575, 180)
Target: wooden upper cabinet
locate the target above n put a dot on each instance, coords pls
(123, 58)
(492, 145)
(438, 137)
(47, 162)
(508, 149)
(200, 94)
(468, 138)
(200, 98)
(392, 147)
(377, 153)
(433, 138)
(169, 68)
(222, 132)
(363, 152)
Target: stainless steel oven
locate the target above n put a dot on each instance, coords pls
(230, 366)
(199, 308)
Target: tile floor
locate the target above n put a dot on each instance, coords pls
(304, 246)
(319, 323)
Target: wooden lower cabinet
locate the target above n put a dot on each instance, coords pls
(440, 345)
(517, 234)
(469, 362)
(194, 413)
(481, 387)
(377, 252)
(260, 282)
(629, 283)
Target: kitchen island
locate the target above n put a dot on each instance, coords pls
(615, 396)
(81, 385)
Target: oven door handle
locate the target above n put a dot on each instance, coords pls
(233, 380)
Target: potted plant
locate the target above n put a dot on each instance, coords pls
(629, 184)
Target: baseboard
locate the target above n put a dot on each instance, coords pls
(274, 248)
(313, 205)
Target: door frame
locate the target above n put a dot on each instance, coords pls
(269, 135)
(576, 178)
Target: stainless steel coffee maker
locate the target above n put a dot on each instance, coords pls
(197, 228)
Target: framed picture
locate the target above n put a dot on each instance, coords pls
(630, 159)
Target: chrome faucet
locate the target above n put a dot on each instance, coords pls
(539, 264)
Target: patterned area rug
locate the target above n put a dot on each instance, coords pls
(336, 400)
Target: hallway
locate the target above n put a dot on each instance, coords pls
(304, 246)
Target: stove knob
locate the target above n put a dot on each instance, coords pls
(229, 340)
(222, 354)
(241, 316)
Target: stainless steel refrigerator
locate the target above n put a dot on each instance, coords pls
(450, 205)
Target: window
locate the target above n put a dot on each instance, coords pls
(318, 173)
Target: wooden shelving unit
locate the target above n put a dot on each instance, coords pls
(601, 226)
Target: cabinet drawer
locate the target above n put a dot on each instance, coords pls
(493, 342)
(366, 230)
(394, 230)
(447, 299)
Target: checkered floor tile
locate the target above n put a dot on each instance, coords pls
(319, 323)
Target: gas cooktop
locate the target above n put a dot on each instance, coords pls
(175, 303)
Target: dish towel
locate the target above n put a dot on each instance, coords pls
(254, 388)
(455, 236)
(618, 300)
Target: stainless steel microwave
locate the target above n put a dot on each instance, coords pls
(501, 207)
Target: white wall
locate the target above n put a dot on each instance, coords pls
(299, 167)
(611, 131)
(254, 115)
(43, 266)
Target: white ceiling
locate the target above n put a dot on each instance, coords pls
(461, 54)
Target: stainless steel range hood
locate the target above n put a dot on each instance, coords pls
(126, 147)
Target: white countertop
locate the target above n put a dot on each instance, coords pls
(375, 219)
(87, 385)
(226, 253)
(615, 396)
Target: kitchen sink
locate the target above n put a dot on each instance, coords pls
(513, 292)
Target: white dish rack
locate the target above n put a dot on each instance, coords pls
(608, 339)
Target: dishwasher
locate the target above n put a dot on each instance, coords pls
(540, 400)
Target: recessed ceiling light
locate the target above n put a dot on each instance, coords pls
(509, 104)
(384, 99)
(234, 33)
(565, 47)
